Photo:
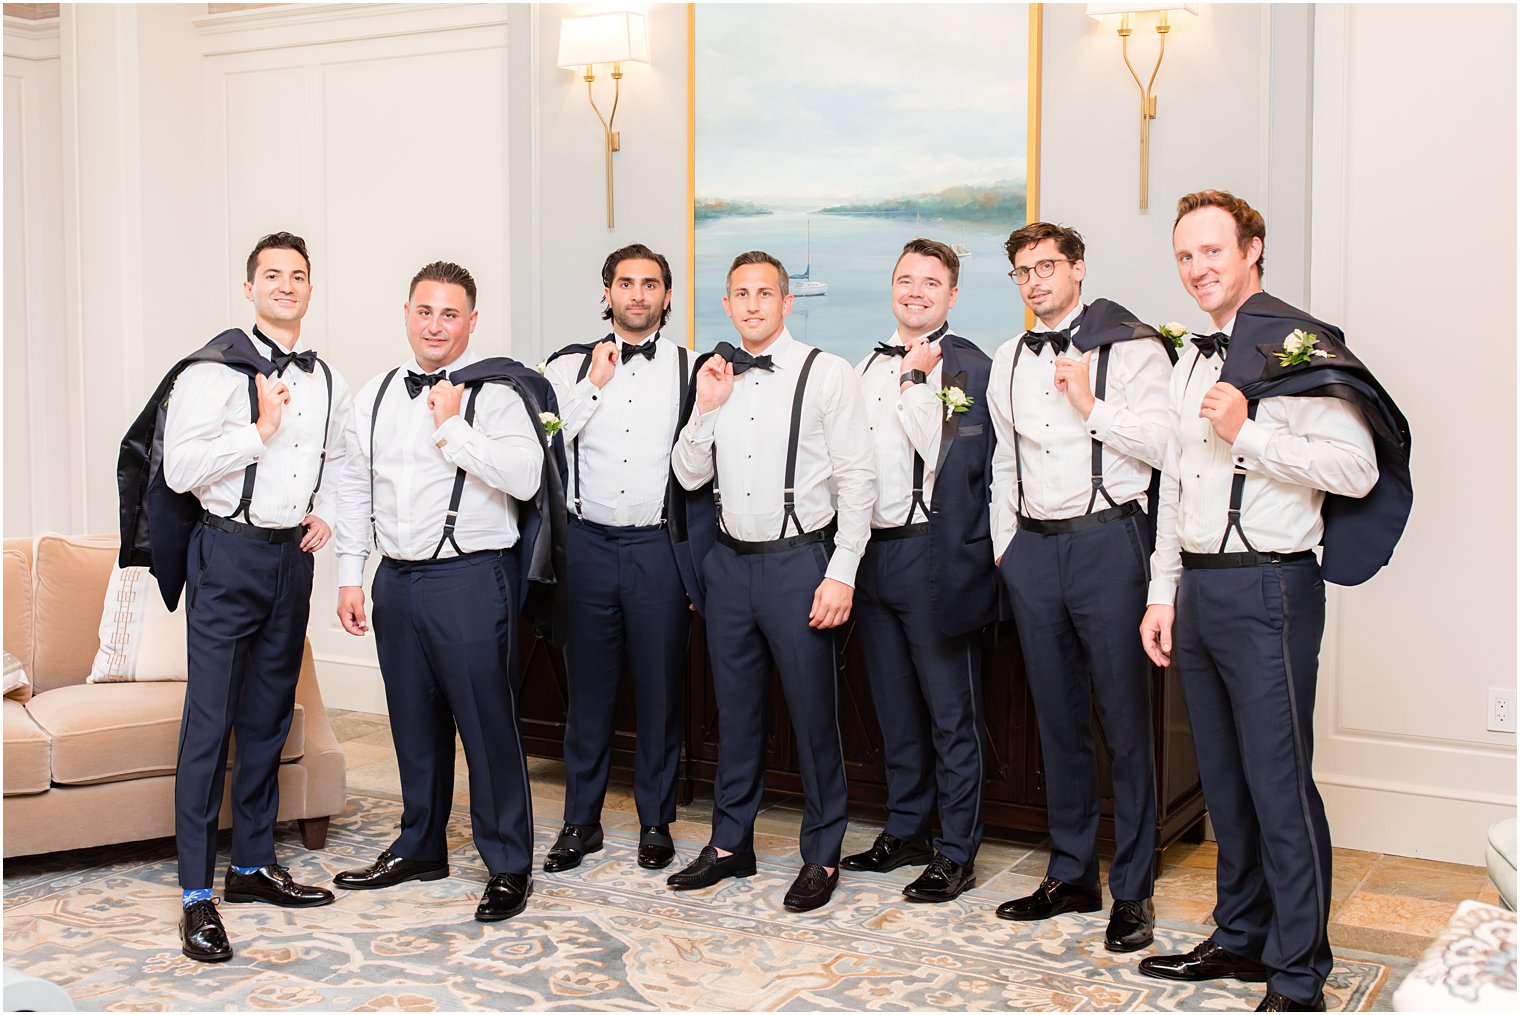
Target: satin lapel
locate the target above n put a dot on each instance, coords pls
(950, 423)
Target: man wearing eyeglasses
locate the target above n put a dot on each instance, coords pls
(1079, 405)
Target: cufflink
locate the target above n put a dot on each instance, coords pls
(440, 443)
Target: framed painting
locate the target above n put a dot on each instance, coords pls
(831, 134)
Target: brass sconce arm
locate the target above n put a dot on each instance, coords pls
(613, 142)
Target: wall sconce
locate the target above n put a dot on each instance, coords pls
(1147, 98)
(616, 38)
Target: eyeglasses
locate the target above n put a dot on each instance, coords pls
(1044, 269)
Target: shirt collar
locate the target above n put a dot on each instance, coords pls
(944, 330)
(621, 341)
(783, 351)
(258, 333)
(1066, 322)
(459, 364)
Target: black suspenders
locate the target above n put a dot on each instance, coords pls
(245, 500)
(1237, 481)
(374, 414)
(1099, 390)
(918, 465)
(788, 491)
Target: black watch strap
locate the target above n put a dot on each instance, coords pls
(915, 377)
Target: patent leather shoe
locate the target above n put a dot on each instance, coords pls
(574, 842)
(390, 869)
(1281, 1002)
(941, 881)
(709, 868)
(1208, 961)
(273, 884)
(656, 848)
(813, 887)
(1131, 925)
(1053, 898)
(505, 896)
(888, 853)
(203, 937)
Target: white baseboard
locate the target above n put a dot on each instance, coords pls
(1410, 824)
(352, 687)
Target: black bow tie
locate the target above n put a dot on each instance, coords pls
(307, 360)
(415, 382)
(889, 349)
(1210, 344)
(1057, 340)
(742, 361)
(645, 349)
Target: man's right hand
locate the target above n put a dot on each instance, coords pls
(273, 397)
(604, 359)
(1156, 633)
(351, 610)
(715, 382)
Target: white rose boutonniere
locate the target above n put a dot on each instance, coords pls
(552, 425)
(542, 366)
(1174, 333)
(955, 400)
(1300, 347)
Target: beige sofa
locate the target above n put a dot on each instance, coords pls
(93, 764)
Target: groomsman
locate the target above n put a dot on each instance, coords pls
(1079, 404)
(620, 402)
(1253, 480)
(443, 483)
(779, 431)
(927, 584)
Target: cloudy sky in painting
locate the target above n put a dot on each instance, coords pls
(802, 105)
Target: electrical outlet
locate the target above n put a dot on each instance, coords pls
(1501, 710)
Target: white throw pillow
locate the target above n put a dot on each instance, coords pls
(15, 675)
(139, 638)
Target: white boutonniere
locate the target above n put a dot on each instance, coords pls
(955, 400)
(542, 366)
(1174, 333)
(552, 425)
(1299, 347)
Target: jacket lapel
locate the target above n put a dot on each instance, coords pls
(951, 377)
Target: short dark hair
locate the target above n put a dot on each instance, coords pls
(1068, 241)
(631, 252)
(757, 257)
(1248, 221)
(285, 241)
(937, 250)
(448, 273)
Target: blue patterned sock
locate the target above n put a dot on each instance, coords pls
(247, 870)
(194, 895)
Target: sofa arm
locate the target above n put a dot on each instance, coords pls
(326, 767)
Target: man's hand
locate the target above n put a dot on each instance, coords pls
(715, 382)
(318, 533)
(273, 397)
(604, 360)
(831, 604)
(443, 399)
(1225, 407)
(351, 610)
(1156, 633)
(921, 355)
(1074, 378)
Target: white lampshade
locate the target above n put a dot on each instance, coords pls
(1097, 11)
(617, 37)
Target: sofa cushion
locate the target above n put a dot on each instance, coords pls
(114, 732)
(70, 584)
(18, 604)
(140, 640)
(27, 752)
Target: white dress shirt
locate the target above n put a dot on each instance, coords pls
(414, 468)
(834, 455)
(1132, 421)
(900, 423)
(1293, 452)
(623, 431)
(209, 440)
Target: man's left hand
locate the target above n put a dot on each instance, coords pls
(1073, 377)
(318, 533)
(831, 604)
(443, 399)
(1225, 407)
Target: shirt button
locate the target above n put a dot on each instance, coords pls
(1093, 432)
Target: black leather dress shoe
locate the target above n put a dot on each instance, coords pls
(1281, 1002)
(656, 848)
(941, 881)
(1131, 925)
(390, 869)
(709, 868)
(574, 842)
(812, 889)
(888, 853)
(273, 884)
(1208, 961)
(201, 931)
(505, 896)
(1053, 898)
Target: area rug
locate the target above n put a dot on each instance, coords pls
(607, 937)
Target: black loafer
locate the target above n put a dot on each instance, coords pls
(888, 853)
(709, 868)
(656, 848)
(1208, 961)
(273, 884)
(1131, 925)
(574, 842)
(1282, 1002)
(813, 887)
(203, 937)
(390, 869)
(505, 896)
(1053, 898)
(941, 881)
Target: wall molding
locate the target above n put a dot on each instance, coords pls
(31, 40)
(295, 25)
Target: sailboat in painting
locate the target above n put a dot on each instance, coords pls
(804, 284)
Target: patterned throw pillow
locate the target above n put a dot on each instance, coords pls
(139, 638)
(1469, 967)
(15, 676)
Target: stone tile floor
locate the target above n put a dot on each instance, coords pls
(1381, 903)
